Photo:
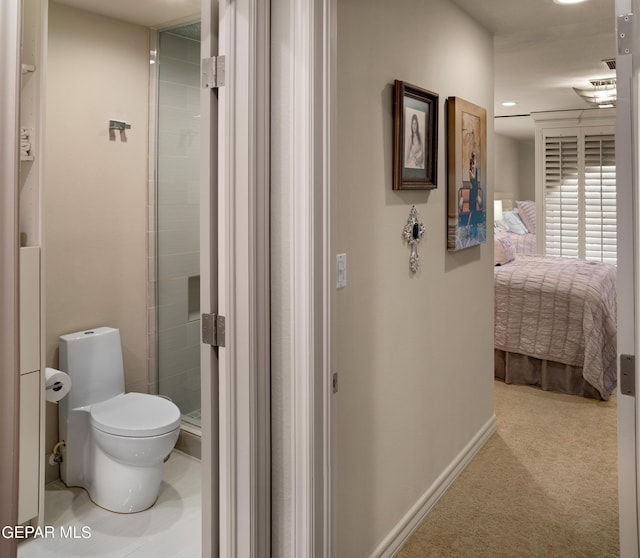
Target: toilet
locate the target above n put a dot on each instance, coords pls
(115, 442)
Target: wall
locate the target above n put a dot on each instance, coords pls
(527, 169)
(95, 184)
(415, 353)
(515, 167)
(507, 176)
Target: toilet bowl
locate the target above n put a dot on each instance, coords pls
(115, 442)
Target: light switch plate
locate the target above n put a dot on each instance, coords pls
(341, 271)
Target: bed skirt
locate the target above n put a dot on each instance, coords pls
(514, 368)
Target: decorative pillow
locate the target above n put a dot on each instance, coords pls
(512, 221)
(527, 212)
(503, 250)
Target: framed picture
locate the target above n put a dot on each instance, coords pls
(415, 143)
(466, 174)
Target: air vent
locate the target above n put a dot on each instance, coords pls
(610, 64)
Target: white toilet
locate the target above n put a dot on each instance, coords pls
(115, 442)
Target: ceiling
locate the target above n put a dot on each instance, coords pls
(542, 49)
(149, 13)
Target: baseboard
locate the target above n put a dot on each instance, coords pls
(393, 542)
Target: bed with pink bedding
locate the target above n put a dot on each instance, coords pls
(555, 324)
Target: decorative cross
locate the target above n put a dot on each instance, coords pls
(412, 233)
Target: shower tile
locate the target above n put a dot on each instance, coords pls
(173, 144)
(173, 46)
(178, 119)
(193, 192)
(171, 315)
(193, 333)
(184, 240)
(172, 94)
(193, 52)
(173, 266)
(178, 362)
(172, 339)
(180, 71)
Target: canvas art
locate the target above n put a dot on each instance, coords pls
(466, 180)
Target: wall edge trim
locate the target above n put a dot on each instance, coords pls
(393, 542)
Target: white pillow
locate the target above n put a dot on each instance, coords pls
(512, 221)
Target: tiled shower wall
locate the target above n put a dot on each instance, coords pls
(176, 238)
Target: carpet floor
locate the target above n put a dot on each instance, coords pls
(544, 485)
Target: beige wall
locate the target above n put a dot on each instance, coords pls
(415, 353)
(507, 176)
(95, 186)
(515, 167)
(527, 169)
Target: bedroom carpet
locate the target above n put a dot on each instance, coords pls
(544, 485)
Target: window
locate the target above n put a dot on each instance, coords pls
(579, 189)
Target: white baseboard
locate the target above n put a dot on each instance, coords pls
(393, 542)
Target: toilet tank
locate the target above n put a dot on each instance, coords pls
(93, 360)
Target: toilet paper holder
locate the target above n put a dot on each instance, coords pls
(55, 386)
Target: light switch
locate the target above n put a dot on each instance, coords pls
(341, 271)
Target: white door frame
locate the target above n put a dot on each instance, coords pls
(10, 33)
(627, 128)
(241, 215)
(303, 144)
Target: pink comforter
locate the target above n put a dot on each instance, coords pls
(559, 309)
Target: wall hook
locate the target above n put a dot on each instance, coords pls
(118, 125)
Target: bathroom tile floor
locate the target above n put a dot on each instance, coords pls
(170, 529)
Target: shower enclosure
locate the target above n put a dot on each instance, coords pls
(177, 226)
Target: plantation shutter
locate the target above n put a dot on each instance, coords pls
(579, 181)
(561, 196)
(600, 198)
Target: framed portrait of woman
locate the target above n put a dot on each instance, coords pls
(415, 145)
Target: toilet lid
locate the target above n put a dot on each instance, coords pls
(135, 415)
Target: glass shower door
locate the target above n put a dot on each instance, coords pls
(177, 219)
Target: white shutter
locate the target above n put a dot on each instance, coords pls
(579, 181)
(562, 201)
(600, 198)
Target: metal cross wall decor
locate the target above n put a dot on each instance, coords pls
(412, 233)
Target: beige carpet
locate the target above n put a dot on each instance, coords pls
(545, 484)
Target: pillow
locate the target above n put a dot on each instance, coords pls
(512, 221)
(527, 212)
(503, 250)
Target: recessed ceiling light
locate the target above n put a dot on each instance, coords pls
(569, 1)
(509, 104)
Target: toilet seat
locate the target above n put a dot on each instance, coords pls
(135, 415)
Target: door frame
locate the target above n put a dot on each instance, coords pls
(237, 475)
(303, 143)
(627, 128)
(10, 35)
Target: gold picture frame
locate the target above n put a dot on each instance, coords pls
(466, 174)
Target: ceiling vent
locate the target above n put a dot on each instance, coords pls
(610, 64)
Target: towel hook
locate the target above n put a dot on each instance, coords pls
(118, 125)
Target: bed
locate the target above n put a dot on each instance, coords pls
(555, 321)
